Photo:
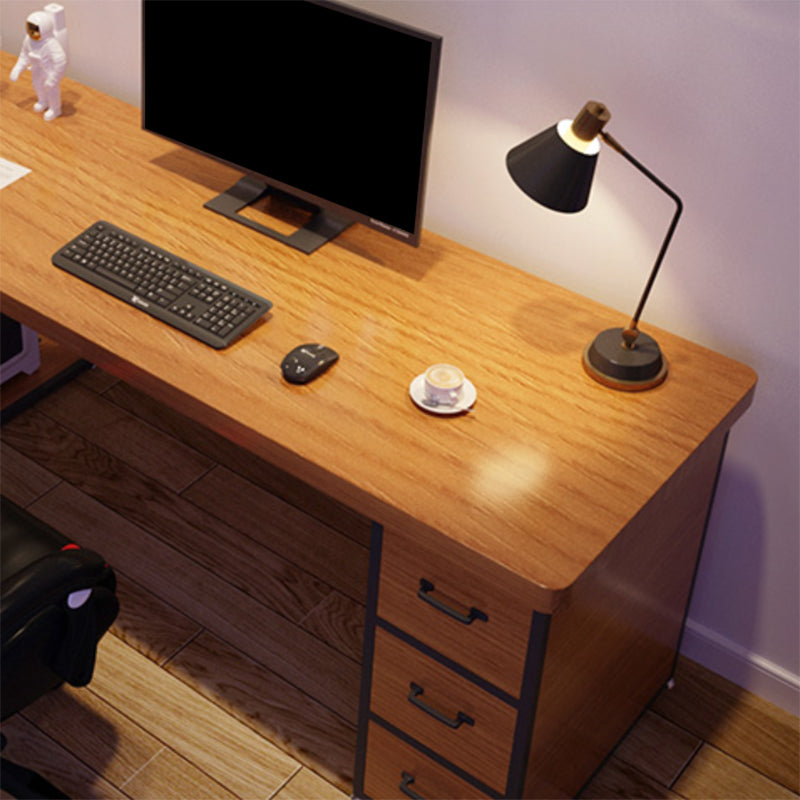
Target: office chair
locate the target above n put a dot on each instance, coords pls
(57, 602)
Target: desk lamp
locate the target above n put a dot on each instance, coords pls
(555, 168)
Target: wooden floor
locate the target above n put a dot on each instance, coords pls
(232, 670)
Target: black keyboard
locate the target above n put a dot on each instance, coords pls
(183, 295)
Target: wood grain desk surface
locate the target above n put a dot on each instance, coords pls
(539, 478)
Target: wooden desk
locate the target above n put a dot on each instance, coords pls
(570, 515)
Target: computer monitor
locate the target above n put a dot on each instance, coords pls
(309, 98)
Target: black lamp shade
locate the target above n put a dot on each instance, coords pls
(551, 172)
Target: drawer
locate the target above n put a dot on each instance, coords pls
(442, 710)
(392, 764)
(493, 643)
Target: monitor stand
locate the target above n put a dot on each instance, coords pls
(320, 228)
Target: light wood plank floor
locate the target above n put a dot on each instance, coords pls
(232, 670)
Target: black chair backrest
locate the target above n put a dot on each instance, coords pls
(57, 602)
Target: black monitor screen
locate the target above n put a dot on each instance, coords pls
(317, 99)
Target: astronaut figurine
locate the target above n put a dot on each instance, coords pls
(44, 54)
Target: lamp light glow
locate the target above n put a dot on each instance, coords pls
(556, 168)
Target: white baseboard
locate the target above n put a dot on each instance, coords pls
(748, 670)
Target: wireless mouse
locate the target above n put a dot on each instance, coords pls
(307, 361)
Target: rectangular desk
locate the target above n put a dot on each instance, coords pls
(531, 561)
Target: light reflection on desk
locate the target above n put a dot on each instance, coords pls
(515, 471)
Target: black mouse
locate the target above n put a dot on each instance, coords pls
(307, 361)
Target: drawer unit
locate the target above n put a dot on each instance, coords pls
(455, 607)
(395, 769)
(442, 710)
(548, 687)
(451, 667)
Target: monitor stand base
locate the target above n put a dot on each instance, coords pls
(320, 228)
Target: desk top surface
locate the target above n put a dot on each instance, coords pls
(539, 478)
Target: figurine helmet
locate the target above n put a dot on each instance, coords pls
(43, 22)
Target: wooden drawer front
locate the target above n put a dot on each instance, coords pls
(493, 648)
(426, 700)
(392, 763)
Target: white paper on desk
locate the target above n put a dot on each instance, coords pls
(10, 172)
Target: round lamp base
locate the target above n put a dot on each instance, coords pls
(630, 369)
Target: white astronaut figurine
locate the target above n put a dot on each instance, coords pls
(44, 55)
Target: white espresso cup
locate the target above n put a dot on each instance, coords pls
(443, 384)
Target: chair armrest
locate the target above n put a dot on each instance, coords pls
(48, 581)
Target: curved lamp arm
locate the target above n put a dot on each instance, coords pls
(630, 334)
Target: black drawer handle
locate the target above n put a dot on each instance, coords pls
(405, 786)
(460, 719)
(424, 593)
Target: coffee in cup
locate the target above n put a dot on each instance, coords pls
(443, 384)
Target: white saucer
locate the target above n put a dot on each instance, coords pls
(469, 395)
